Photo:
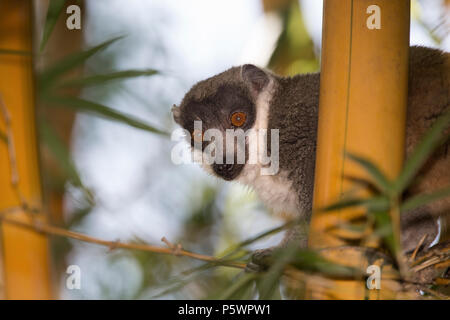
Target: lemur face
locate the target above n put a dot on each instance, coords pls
(222, 105)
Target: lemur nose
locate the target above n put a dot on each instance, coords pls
(222, 168)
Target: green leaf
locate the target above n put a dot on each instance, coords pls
(101, 110)
(15, 52)
(77, 217)
(309, 260)
(379, 178)
(353, 227)
(377, 203)
(47, 77)
(238, 286)
(344, 203)
(175, 284)
(423, 199)
(104, 78)
(54, 10)
(432, 139)
(234, 248)
(59, 150)
(385, 230)
(273, 294)
(270, 281)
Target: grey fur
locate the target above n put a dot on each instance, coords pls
(297, 101)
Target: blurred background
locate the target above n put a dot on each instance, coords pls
(109, 175)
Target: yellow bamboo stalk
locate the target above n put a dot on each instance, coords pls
(25, 254)
(363, 96)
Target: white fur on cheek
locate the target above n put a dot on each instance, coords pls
(275, 191)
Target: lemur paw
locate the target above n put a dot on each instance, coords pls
(260, 260)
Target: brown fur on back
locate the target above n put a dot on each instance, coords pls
(428, 98)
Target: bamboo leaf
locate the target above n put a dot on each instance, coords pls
(384, 229)
(15, 52)
(270, 281)
(354, 228)
(77, 217)
(342, 204)
(273, 294)
(104, 111)
(423, 199)
(308, 260)
(377, 203)
(62, 154)
(59, 150)
(239, 285)
(54, 10)
(234, 248)
(104, 78)
(175, 284)
(379, 178)
(432, 139)
(47, 77)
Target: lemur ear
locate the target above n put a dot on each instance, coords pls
(255, 77)
(176, 113)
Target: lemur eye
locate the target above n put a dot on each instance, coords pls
(197, 135)
(238, 119)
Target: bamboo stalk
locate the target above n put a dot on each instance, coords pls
(363, 96)
(25, 254)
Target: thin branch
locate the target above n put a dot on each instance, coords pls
(42, 227)
(413, 256)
